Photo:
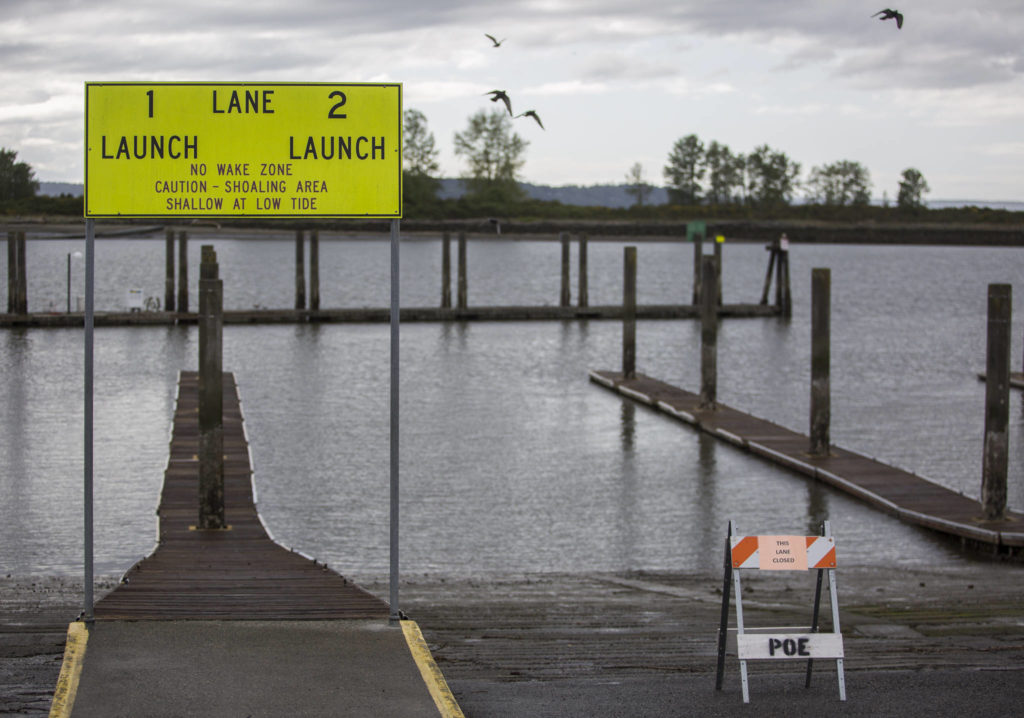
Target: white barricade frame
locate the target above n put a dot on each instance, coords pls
(780, 553)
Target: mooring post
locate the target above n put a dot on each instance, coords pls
(22, 276)
(782, 296)
(314, 270)
(12, 272)
(629, 313)
(182, 272)
(583, 299)
(463, 289)
(564, 298)
(773, 250)
(821, 397)
(446, 270)
(719, 241)
(708, 335)
(300, 270)
(169, 271)
(211, 393)
(997, 403)
(695, 233)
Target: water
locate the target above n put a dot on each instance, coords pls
(511, 460)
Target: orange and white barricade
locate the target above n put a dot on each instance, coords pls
(780, 553)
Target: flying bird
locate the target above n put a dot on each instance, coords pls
(533, 114)
(888, 14)
(500, 95)
(497, 42)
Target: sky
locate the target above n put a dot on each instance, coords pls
(615, 83)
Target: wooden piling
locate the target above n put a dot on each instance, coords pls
(211, 403)
(997, 403)
(169, 272)
(821, 397)
(583, 300)
(182, 272)
(783, 298)
(564, 298)
(446, 271)
(22, 276)
(463, 289)
(773, 251)
(300, 270)
(629, 312)
(719, 241)
(708, 335)
(314, 270)
(695, 233)
(12, 272)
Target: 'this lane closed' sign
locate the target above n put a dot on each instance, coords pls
(243, 150)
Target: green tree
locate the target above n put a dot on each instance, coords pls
(17, 180)
(771, 177)
(636, 185)
(419, 161)
(840, 183)
(913, 187)
(684, 171)
(725, 175)
(494, 156)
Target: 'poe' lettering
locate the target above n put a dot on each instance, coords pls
(789, 646)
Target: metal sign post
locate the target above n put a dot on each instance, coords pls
(90, 263)
(395, 316)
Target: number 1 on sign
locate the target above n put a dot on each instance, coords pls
(149, 94)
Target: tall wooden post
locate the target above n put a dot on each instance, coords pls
(783, 298)
(12, 272)
(708, 335)
(300, 271)
(997, 403)
(211, 393)
(564, 298)
(773, 252)
(719, 241)
(463, 289)
(695, 233)
(314, 270)
(169, 272)
(629, 312)
(583, 299)
(182, 272)
(821, 352)
(446, 271)
(22, 276)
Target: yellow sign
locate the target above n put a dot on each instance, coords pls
(243, 150)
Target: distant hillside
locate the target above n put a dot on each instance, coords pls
(56, 189)
(598, 195)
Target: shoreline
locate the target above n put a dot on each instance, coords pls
(496, 638)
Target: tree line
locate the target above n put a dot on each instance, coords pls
(712, 174)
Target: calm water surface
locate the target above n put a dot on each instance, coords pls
(511, 459)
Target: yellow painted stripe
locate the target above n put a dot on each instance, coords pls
(70, 671)
(436, 684)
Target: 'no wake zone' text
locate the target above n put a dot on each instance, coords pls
(243, 194)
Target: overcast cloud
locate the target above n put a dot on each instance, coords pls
(615, 83)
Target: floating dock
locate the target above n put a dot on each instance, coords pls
(912, 498)
(235, 574)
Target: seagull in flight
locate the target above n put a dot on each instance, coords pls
(533, 114)
(888, 14)
(500, 95)
(496, 41)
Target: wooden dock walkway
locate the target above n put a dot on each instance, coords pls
(237, 574)
(910, 497)
(383, 315)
